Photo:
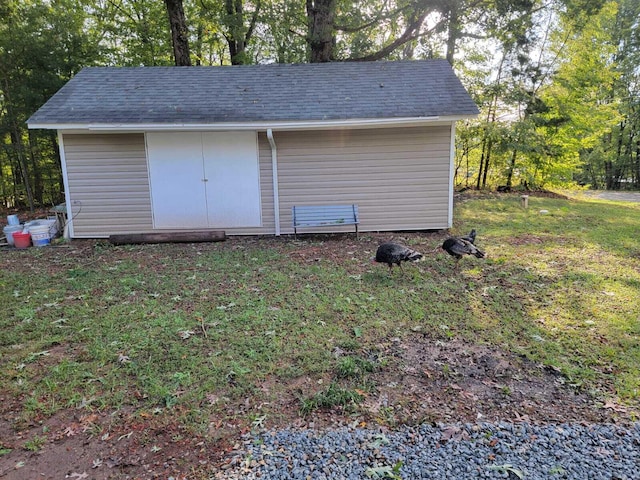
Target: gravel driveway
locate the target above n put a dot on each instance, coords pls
(609, 195)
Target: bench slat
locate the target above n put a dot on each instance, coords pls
(323, 215)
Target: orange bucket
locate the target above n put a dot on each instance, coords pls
(22, 240)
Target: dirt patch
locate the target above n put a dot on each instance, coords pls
(99, 446)
(423, 381)
(454, 381)
(467, 193)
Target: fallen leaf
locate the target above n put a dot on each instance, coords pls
(72, 430)
(123, 358)
(453, 432)
(79, 476)
(614, 406)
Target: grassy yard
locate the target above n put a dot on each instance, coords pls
(194, 328)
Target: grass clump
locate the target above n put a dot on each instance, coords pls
(354, 367)
(333, 396)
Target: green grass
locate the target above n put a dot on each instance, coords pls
(197, 327)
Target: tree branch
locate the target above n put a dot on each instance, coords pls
(408, 36)
(372, 22)
(254, 20)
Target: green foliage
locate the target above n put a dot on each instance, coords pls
(507, 469)
(562, 116)
(42, 45)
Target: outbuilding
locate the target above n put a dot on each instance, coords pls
(234, 148)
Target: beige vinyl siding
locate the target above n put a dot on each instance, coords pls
(399, 177)
(108, 184)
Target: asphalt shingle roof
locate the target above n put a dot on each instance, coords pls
(258, 93)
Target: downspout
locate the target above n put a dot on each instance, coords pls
(67, 228)
(452, 159)
(274, 176)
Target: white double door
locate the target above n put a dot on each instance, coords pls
(204, 179)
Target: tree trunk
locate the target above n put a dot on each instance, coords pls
(512, 167)
(179, 32)
(454, 31)
(320, 28)
(238, 38)
(36, 163)
(3, 188)
(637, 161)
(486, 163)
(199, 42)
(15, 137)
(22, 165)
(481, 166)
(169, 237)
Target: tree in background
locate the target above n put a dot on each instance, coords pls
(582, 91)
(42, 45)
(614, 162)
(552, 103)
(131, 32)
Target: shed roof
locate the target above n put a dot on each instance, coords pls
(257, 93)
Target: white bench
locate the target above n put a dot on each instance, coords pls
(325, 215)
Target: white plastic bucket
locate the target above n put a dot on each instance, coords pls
(9, 230)
(13, 220)
(40, 235)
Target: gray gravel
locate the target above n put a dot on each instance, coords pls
(484, 450)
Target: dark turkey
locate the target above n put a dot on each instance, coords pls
(459, 246)
(394, 253)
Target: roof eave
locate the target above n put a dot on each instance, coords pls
(260, 126)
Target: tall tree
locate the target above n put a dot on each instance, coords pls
(179, 32)
(239, 30)
(321, 29)
(583, 92)
(623, 170)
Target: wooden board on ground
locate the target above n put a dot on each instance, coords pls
(169, 237)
